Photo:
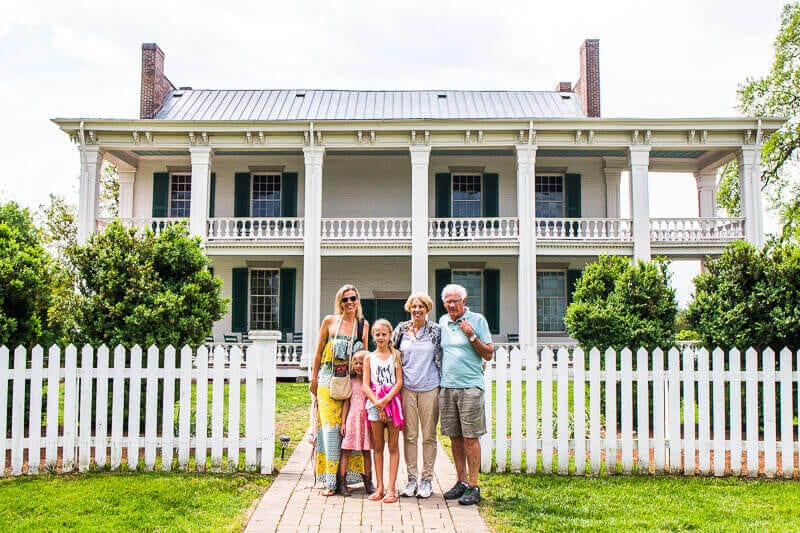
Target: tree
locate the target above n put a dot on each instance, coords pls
(776, 94)
(617, 304)
(26, 273)
(749, 297)
(145, 289)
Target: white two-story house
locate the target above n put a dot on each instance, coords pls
(509, 193)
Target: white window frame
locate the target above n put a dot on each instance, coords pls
(172, 177)
(453, 177)
(562, 177)
(482, 304)
(253, 176)
(251, 296)
(566, 298)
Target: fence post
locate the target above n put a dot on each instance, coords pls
(262, 353)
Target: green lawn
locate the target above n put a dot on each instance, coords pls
(121, 501)
(514, 502)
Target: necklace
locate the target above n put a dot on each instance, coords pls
(414, 332)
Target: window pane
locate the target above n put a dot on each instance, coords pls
(551, 301)
(266, 195)
(472, 280)
(467, 196)
(264, 299)
(180, 195)
(550, 196)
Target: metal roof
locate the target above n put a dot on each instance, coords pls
(307, 105)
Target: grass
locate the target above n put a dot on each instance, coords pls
(514, 502)
(121, 501)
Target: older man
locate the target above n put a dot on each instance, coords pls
(466, 344)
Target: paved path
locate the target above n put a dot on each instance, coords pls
(292, 503)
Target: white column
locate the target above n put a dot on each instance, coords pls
(750, 194)
(201, 183)
(91, 167)
(420, 158)
(613, 175)
(526, 264)
(706, 192)
(126, 180)
(312, 265)
(639, 157)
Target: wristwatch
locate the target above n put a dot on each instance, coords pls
(472, 339)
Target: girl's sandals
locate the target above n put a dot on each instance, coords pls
(376, 496)
(329, 492)
(391, 497)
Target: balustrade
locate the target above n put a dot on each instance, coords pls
(685, 230)
(140, 223)
(255, 228)
(366, 229)
(584, 229)
(497, 228)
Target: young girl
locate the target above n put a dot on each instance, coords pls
(383, 379)
(356, 430)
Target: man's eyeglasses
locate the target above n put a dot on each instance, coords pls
(452, 302)
(346, 299)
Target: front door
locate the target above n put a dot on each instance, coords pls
(392, 309)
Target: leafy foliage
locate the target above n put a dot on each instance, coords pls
(145, 290)
(617, 304)
(749, 297)
(775, 95)
(26, 272)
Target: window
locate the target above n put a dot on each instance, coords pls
(266, 195)
(551, 300)
(180, 195)
(550, 196)
(467, 196)
(472, 280)
(264, 298)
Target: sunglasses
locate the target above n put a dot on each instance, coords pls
(346, 299)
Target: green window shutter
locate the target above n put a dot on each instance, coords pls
(491, 195)
(572, 277)
(572, 189)
(241, 194)
(289, 194)
(491, 299)
(239, 300)
(288, 278)
(160, 194)
(443, 278)
(211, 193)
(444, 192)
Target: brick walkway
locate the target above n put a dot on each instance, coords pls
(292, 503)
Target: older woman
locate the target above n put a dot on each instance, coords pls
(341, 335)
(420, 340)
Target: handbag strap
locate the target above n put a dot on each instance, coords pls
(349, 345)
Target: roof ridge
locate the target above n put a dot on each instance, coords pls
(379, 90)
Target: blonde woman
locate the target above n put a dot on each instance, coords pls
(420, 341)
(341, 335)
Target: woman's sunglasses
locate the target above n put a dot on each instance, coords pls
(346, 299)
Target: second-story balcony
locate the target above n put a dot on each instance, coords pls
(591, 231)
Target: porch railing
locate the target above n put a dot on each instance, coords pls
(156, 224)
(255, 228)
(495, 228)
(366, 229)
(584, 229)
(696, 229)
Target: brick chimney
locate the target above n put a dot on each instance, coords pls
(588, 85)
(155, 84)
(564, 87)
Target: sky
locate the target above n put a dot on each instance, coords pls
(82, 59)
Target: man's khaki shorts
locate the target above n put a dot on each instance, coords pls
(461, 412)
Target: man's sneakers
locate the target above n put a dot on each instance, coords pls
(457, 491)
(410, 489)
(425, 489)
(471, 496)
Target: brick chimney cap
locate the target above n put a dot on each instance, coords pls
(151, 46)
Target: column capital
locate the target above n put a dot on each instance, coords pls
(706, 179)
(126, 176)
(200, 153)
(526, 153)
(420, 154)
(313, 154)
(639, 155)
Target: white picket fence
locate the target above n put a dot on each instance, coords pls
(95, 386)
(709, 415)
